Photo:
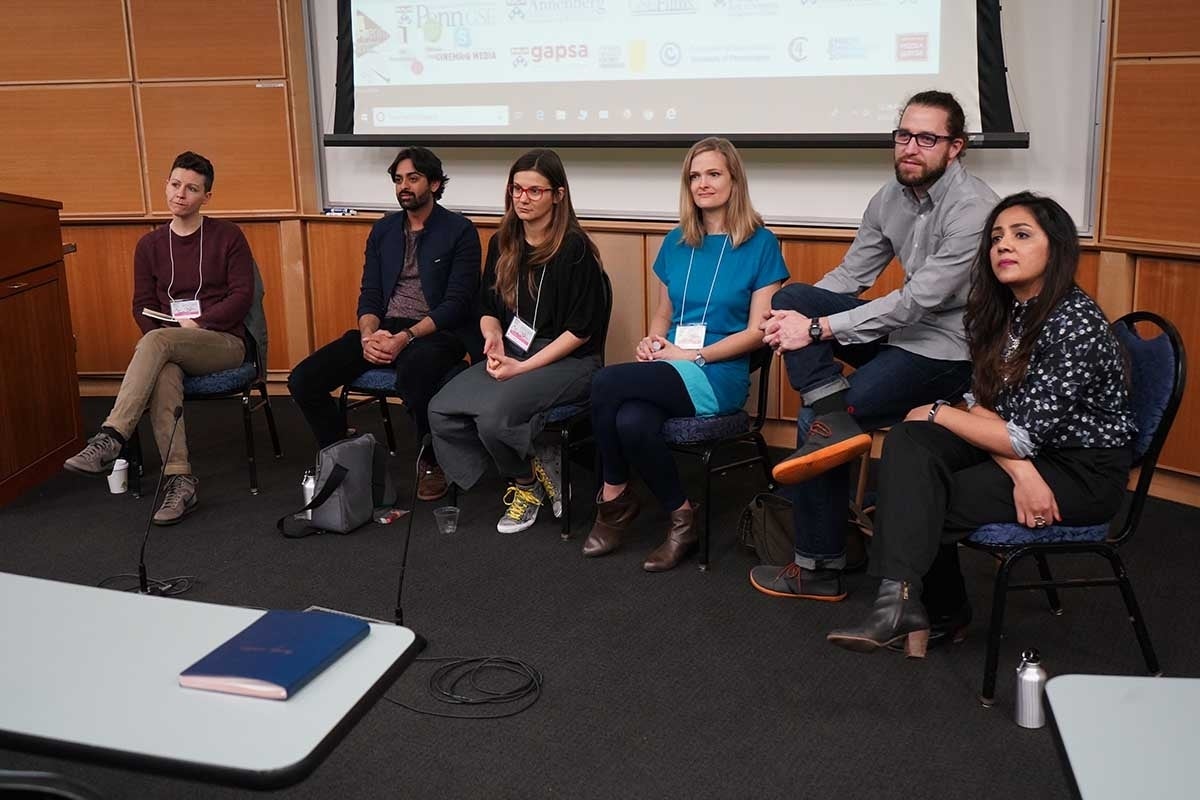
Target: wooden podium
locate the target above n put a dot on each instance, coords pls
(40, 422)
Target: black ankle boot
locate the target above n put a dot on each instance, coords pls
(897, 614)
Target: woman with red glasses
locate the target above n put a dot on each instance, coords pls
(542, 311)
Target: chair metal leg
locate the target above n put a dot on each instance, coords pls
(1051, 592)
(1135, 612)
(387, 425)
(133, 454)
(271, 429)
(564, 458)
(999, 598)
(249, 425)
(765, 455)
(707, 502)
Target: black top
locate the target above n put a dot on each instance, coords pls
(572, 294)
(1074, 393)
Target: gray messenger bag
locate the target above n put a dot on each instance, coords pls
(351, 482)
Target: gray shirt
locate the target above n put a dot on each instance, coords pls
(936, 239)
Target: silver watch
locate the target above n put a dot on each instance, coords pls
(699, 359)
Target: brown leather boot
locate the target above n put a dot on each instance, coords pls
(612, 518)
(681, 538)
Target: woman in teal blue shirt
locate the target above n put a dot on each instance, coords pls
(716, 274)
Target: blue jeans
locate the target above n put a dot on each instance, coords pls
(886, 384)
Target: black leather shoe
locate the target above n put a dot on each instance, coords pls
(897, 614)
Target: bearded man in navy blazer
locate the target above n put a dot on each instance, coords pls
(417, 309)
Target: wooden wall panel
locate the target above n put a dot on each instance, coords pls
(1156, 27)
(1168, 287)
(63, 40)
(1088, 274)
(214, 39)
(263, 238)
(77, 144)
(335, 261)
(622, 255)
(242, 128)
(1152, 174)
(653, 243)
(100, 285)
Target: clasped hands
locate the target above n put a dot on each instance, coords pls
(785, 330)
(659, 348)
(500, 365)
(382, 347)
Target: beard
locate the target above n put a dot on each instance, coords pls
(928, 175)
(411, 202)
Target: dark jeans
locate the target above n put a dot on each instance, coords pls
(420, 368)
(887, 383)
(935, 489)
(630, 402)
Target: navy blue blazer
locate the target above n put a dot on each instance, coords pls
(448, 261)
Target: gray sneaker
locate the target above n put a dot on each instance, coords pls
(95, 459)
(546, 468)
(523, 504)
(179, 499)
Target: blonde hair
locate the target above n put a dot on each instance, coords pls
(741, 220)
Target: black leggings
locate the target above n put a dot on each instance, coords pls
(630, 402)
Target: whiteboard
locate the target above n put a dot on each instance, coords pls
(1054, 57)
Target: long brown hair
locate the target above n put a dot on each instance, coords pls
(990, 303)
(741, 220)
(511, 235)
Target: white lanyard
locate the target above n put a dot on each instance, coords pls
(692, 258)
(171, 252)
(537, 302)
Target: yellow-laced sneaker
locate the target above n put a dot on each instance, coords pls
(523, 503)
(545, 469)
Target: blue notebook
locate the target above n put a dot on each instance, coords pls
(276, 655)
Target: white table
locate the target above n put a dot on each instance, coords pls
(1128, 737)
(93, 673)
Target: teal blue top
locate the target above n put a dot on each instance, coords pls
(720, 387)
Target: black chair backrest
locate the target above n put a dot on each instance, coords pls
(608, 304)
(1157, 377)
(256, 326)
(760, 362)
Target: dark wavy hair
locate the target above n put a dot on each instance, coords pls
(196, 163)
(956, 120)
(424, 162)
(990, 303)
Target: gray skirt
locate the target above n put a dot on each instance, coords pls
(477, 420)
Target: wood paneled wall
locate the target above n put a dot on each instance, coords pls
(97, 123)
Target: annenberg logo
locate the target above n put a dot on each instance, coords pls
(558, 52)
(569, 5)
(661, 6)
(455, 17)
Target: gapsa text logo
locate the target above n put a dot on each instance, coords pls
(558, 52)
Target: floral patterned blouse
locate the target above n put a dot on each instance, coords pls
(1074, 393)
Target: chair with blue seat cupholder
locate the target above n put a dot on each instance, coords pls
(240, 382)
(704, 437)
(1157, 375)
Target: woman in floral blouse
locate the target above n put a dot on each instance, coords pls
(1046, 436)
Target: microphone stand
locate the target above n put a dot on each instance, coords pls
(426, 441)
(143, 582)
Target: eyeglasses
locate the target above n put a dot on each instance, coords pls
(925, 140)
(535, 192)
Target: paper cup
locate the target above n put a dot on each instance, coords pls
(118, 479)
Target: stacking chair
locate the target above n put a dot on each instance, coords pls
(237, 383)
(704, 437)
(1158, 372)
(573, 421)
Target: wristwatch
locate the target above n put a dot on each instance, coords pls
(814, 329)
(699, 359)
(411, 336)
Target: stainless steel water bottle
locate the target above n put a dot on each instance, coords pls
(308, 487)
(1031, 685)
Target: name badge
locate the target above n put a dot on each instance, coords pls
(185, 309)
(690, 337)
(520, 333)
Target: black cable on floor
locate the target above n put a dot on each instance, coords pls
(460, 681)
(166, 587)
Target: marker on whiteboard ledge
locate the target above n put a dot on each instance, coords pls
(340, 211)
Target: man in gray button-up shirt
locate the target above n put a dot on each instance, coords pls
(908, 346)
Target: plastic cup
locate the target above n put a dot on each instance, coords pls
(118, 479)
(447, 519)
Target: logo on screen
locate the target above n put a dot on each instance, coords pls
(558, 52)
(670, 54)
(639, 7)
(912, 47)
(798, 48)
(845, 48)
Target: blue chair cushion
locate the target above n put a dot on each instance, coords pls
(1012, 534)
(1151, 379)
(690, 430)
(226, 381)
(375, 380)
(565, 412)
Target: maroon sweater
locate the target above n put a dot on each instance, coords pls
(228, 275)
